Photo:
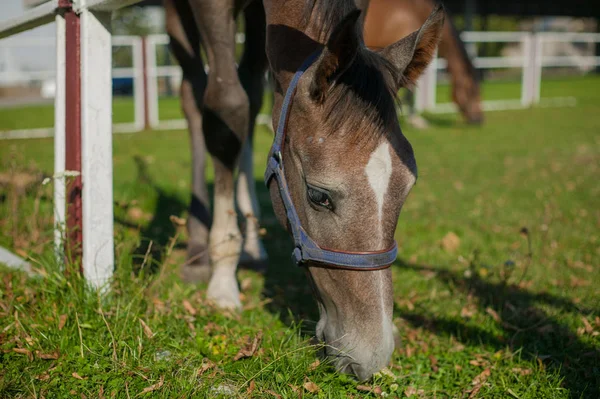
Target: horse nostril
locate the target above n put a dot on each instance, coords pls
(359, 372)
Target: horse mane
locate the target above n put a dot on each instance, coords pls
(365, 93)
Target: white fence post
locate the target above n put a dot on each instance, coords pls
(152, 82)
(59, 137)
(425, 91)
(96, 143)
(526, 85)
(137, 50)
(538, 53)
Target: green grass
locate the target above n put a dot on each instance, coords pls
(484, 312)
(42, 116)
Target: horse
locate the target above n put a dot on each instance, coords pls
(390, 20)
(340, 168)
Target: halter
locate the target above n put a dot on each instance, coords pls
(305, 248)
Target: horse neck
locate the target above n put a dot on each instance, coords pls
(452, 49)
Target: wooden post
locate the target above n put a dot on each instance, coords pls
(96, 147)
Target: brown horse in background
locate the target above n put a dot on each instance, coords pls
(387, 21)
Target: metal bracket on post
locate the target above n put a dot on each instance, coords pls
(151, 82)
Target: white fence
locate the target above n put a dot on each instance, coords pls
(531, 62)
(146, 74)
(82, 128)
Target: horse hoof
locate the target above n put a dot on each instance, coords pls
(223, 291)
(196, 273)
(418, 122)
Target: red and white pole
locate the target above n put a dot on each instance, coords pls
(87, 131)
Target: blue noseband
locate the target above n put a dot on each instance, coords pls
(305, 248)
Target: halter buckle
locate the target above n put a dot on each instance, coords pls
(297, 256)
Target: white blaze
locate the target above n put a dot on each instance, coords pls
(379, 172)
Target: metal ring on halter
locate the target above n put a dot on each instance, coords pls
(305, 248)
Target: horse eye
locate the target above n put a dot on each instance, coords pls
(320, 198)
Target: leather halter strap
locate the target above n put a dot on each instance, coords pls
(305, 248)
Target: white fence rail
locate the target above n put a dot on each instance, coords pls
(146, 91)
(531, 62)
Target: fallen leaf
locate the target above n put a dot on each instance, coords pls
(147, 329)
(314, 365)
(47, 356)
(480, 379)
(410, 391)
(494, 314)
(473, 392)
(62, 319)
(278, 396)
(434, 363)
(43, 377)
(78, 376)
(246, 284)
(177, 221)
(457, 348)
(450, 242)
(153, 387)
(588, 327)
(363, 388)
(135, 213)
(251, 347)
(579, 282)
(521, 371)
(207, 365)
(311, 386)
(468, 311)
(477, 363)
(24, 351)
(188, 306)
(251, 388)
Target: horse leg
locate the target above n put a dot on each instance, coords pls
(185, 46)
(251, 72)
(225, 123)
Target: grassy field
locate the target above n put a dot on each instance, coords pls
(123, 107)
(496, 286)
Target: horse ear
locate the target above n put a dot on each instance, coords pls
(413, 53)
(338, 54)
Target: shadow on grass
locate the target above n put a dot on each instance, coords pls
(285, 284)
(523, 324)
(156, 235)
